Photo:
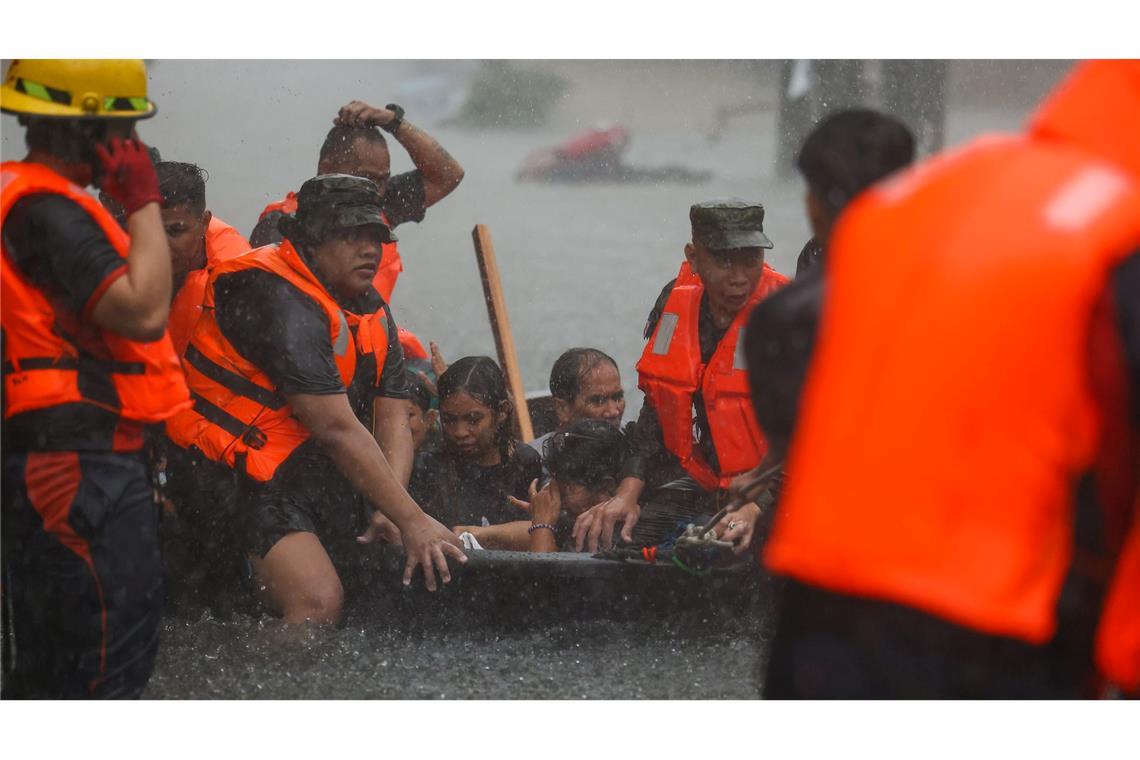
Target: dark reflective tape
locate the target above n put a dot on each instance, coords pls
(83, 363)
(231, 380)
(42, 362)
(227, 421)
(125, 104)
(43, 92)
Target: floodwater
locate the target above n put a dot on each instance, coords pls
(581, 265)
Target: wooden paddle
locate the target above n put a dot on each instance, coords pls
(501, 327)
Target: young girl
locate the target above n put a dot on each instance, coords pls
(480, 467)
(585, 462)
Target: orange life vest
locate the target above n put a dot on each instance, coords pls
(413, 348)
(239, 418)
(390, 262)
(948, 412)
(46, 352)
(223, 243)
(670, 372)
(1118, 639)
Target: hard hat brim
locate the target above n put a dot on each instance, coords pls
(19, 104)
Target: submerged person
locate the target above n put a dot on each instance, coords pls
(696, 431)
(294, 363)
(355, 146)
(87, 365)
(585, 461)
(481, 465)
(198, 241)
(585, 384)
(963, 464)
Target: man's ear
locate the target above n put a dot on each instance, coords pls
(691, 254)
(207, 217)
(432, 418)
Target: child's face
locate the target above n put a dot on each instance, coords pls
(469, 427)
(418, 423)
(576, 499)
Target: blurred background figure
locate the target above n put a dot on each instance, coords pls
(964, 466)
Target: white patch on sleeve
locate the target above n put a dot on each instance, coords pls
(665, 330)
(1084, 198)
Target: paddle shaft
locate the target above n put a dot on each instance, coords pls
(501, 327)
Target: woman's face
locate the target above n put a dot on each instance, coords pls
(469, 427)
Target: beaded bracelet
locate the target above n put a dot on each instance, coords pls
(536, 526)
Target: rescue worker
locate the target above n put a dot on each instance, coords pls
(355, 146)
(292, 365)
(87, 363)
(195, 561)
(198, 240)
(696, 430)
(961, 464)
(843, 156)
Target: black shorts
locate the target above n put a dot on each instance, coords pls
(835, 646)
(335, 516)
(82, 575)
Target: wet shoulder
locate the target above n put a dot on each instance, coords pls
(658, 308)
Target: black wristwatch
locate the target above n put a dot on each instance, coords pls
(396, 121)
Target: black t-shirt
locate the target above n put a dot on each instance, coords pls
(649, 460)
(65, 254)
(458, 492)
(778, 343)
(811, 256)
(404, 201)
(285, 333)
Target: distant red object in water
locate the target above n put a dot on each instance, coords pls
(595, 155)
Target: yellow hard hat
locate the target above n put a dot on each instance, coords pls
(77, 89)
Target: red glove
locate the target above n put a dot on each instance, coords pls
(128, 174)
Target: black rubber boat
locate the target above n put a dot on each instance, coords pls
(518, 587)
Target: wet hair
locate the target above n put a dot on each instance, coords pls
(420, 395)
(341, 137)
(851, 150)
(571, 369)
(481, 378)
(586, 453)
(182, 184)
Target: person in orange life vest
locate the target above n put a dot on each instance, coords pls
(696, 430)
(960, 464)
(355, 146)
(198, 241)
(845, 154)
(293, 358)
(87, 364)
